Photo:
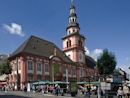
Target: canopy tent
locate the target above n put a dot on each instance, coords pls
(96, 82)
(87, 83)
(60, 82)
(116, 82)
(82, 82)
(2, 83)
(3, 77)
(48, 82)
(42, 82)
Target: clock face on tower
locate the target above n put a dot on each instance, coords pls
(80, 56)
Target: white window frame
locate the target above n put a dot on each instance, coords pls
(47, 68)
(31, 77)
(73, 71)
(37, 66)
(30, 71)
(64, 70)
(32, 64)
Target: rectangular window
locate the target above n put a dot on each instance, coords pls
(38, 78)
(30, 65)
(30, 78)
(74, 73)
(47, 78)
(64, 70)
(38, 66)
(15, 66)
(19, 65)
(81, 72)
(46, 68)
(69, 71)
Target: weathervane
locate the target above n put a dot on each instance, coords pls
(72, 1)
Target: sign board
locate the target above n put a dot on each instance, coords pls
(73, 85)
(105, 86)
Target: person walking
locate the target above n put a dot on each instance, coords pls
(51, 89)
(33, 89)
(5, 89)
(119, 93)
(56, 86)
(25, 89)
(126, 91)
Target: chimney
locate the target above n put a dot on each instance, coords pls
(55, 51)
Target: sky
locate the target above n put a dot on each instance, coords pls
(104, 23)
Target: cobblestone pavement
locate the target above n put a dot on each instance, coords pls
(21, 94)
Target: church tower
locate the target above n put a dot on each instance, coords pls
(73, 42)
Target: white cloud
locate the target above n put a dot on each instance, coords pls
(87, 51)
(94, 54)
(127, 58)
(125, 68)
(14, 29)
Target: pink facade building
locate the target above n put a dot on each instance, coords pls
(37, 56)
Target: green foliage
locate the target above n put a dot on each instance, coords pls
(55, 70)
(5, 68)
(1, 69)
(106, 62)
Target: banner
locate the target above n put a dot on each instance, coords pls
(73, 85)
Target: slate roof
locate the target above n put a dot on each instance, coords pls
(37, 46)
(72, 7)
(75, 33)
(90, 62)
(73, 24)
(72, 15)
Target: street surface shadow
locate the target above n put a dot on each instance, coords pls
(12, 96)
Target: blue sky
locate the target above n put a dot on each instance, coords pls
(104, 23)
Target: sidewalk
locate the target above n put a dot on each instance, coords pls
(41, 95)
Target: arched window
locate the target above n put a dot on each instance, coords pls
(70, 43)
(73, 20)
(67, 44)
(81, 43)
(69, 31)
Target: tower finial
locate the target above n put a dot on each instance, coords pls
(72, 1)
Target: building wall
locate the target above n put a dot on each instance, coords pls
(33, 75)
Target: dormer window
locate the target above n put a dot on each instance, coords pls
(69, 56)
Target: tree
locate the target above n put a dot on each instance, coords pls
(1, 69)
(5, 68)
(55, 71)
(106, 62)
